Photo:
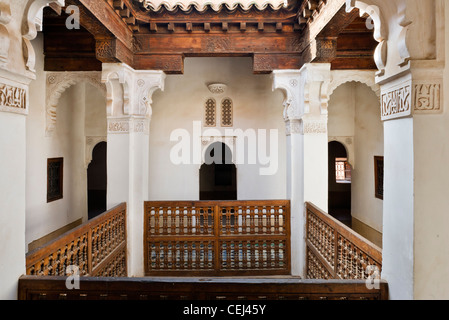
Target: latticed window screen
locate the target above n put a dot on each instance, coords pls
(226, 113)
(55, 168)
(210, 113)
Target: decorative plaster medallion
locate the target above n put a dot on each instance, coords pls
(217, 88)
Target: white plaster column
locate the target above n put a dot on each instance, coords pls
(414, 254)
(129, 112)
(305, 116)
(13, 109)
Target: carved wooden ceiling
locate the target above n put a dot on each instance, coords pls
(276, 38)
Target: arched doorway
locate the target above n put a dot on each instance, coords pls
(97, 181)
(218, 175)
(339, 183)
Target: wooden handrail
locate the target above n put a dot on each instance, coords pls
(217, 237)
(334, 251)
(96, 248)
(147, 288)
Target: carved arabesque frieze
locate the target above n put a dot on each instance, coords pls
(427, 97)
(13, 98)
(57, 83)
(396, 102)
(306, 126)
(128, 125)
(412, 95)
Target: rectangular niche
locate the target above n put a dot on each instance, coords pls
(379, 177)
(55, 169)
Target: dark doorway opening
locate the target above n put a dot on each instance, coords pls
(339, 183)
(97, 181)
(218, 175)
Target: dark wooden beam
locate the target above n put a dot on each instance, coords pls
(67, 50)
(266, 63)
(169, 63)
(107, 16)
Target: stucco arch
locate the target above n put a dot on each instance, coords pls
(58, 82)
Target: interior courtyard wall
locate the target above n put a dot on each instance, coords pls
(354, 119)
(81, 112)
(182, 103)
(431, 156)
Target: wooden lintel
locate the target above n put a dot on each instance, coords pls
(218, 43)
(113, 51)
(170, 64)
(266, 63)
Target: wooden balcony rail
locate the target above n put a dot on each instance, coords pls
(91, 288)
(336, 252)
(97, 248)
(217, 238)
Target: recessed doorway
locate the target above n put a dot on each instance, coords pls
(97, 181)
(339, 183)
(218, 175)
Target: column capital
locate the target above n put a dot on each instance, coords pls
(305, 90)
(129, 91)
(128, 124)
(306, 125)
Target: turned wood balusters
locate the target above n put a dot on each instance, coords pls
(96, 248)
(336, 252)
(217, 238)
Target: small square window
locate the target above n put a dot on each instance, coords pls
(55, 169)
(342, 170)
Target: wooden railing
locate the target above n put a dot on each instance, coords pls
(336, 252)
(96, 248)
(90, 288)
(217, 238)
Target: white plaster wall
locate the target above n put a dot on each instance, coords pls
(368, 142)
(431, 154)
(80, 112)
(95, 115)
(398, 230)
(354, 111)
(256, 106)
(12, 194)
